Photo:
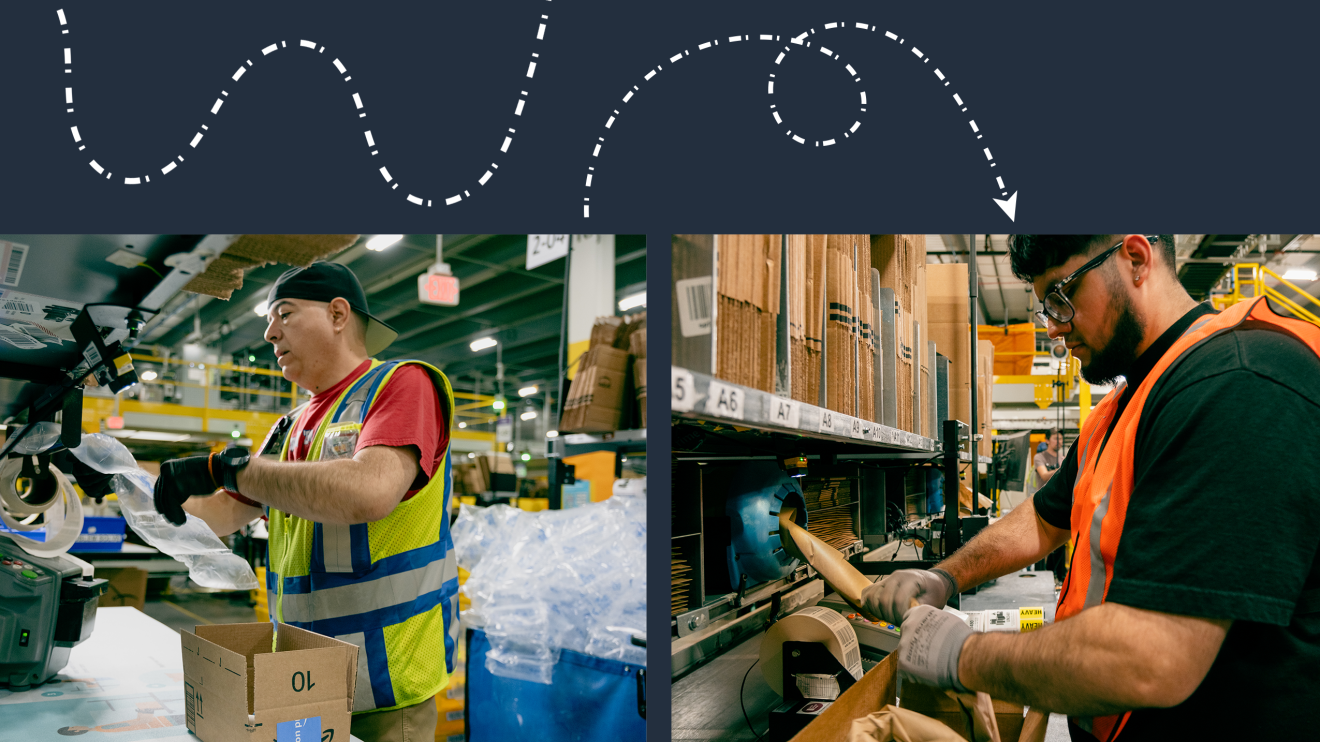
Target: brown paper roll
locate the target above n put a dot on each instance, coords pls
(826, 560)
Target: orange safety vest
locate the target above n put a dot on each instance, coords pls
(1104, 474)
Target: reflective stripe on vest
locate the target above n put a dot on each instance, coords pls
(1105, 475)
(346, 594)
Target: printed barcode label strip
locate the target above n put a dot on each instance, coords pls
(14, 257)
(699, 300)
(18, 306)
(190, 708)
(19, 339)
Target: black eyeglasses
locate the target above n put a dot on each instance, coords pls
(1056, 304)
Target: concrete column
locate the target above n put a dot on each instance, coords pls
(590, 289)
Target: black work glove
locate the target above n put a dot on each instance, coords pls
(180, 479)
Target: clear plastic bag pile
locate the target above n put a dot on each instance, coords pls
(557, 579)
(210, 563)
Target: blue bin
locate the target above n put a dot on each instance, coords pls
(590, 700)
(98, 534)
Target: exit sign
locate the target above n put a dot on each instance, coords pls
(437, 288)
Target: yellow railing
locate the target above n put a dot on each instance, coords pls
(1252, 276)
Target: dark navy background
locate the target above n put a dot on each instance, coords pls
(1102, 117)
(1187, 120)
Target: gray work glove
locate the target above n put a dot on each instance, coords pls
(891, 596)
(930, 647)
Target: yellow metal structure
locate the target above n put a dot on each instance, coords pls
(1050, 388)
(1249, 283)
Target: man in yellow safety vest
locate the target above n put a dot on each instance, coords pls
(360, 547)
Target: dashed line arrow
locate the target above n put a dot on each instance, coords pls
(1009, 206)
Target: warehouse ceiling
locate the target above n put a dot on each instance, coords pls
(498, 298)
(1203, 262)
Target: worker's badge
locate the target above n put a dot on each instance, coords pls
(340, 441)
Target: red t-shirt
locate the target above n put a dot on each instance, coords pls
(405, 412)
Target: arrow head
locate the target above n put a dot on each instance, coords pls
(1009, 206)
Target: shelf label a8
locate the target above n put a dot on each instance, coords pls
(682, 390)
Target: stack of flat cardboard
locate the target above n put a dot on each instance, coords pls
(747, 301)
(806, 297)
(900, 260)
(985, 393)
(841, 326)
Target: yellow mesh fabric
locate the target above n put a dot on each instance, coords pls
(416, 651)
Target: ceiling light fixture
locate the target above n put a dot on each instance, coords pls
(483, 343)
(632, 302)
(462, 424)
(261, 309)
(1299, 274)
(148, 375)
(527, 391)
(552, 434)
(528, 415)
(382, 241)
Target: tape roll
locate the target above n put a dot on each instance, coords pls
(64, 514)
(814, 624)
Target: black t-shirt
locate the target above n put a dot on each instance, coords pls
(1224, 522)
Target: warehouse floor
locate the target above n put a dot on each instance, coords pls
(184, 605)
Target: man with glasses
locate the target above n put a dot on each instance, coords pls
(1192, 607)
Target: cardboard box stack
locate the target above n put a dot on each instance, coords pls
(474, 476)
(900, 260)
(841, 326)
(951, 329)
(747, 308)
(638, 347)
(596, 400)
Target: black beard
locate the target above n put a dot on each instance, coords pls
(1118, 355)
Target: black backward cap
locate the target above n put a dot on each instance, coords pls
(326, 282)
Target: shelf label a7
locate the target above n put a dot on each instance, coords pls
(785, 412)
(682, 390)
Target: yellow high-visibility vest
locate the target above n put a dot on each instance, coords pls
(390, 587)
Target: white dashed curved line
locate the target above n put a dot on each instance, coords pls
(358, 104)
(799, 40)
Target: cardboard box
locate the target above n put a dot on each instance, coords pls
(237, 689)
(877, 689)
(947, 293)
(747, 308)
(128, 587)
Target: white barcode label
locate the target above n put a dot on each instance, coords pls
(725, 400)
(785, 412)
(694, 303)
(682, 395)
(19, 339)
(12, 258)
(18, 306)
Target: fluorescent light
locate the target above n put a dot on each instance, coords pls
(382, 241)
(261, 309)
(499, 404)
(471, 455)
(630, 302)
(528, 415)
(1299, 274)
(483, 343)
(462, 424)
(527, 391)
(527, 457)
(552, 434)
(148, 375)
